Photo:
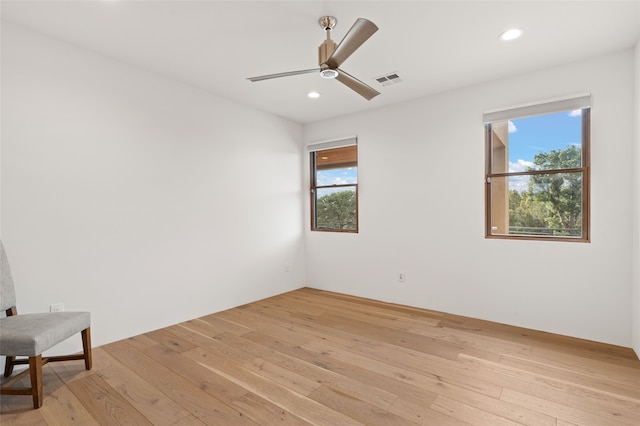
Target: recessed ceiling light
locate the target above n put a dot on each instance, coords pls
(313, 95)
(511, 34)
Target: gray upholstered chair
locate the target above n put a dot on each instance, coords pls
(29, 335)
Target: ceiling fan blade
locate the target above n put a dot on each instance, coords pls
(360, 32)
(283, 74)
(354, 84)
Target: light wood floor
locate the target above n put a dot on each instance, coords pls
(313, 357)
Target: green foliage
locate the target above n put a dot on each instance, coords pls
(336, 210)
(567, 158)
(553, 200)
(525, 212)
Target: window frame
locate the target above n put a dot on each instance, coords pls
(314, 149)
(584, 169)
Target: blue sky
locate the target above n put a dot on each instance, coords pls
(337, 176)
(543, 133)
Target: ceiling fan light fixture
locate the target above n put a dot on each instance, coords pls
(329, 73)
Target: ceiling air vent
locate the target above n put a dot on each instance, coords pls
(388, 79)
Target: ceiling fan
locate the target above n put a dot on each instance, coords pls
(331, 56)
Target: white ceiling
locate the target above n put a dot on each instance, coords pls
(433, 45)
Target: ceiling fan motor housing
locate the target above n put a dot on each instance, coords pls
(325, 51)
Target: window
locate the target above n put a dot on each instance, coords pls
(334, 186)
(537, 171)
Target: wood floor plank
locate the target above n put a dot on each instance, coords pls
(467, 339)
(289, 400)
(616, 372)
(561, 411)
(105, 404)
(313, 357)
(469, 413)
(266, 413)
(205, 328)
(495, 406)
(170, 340)
(443, 370)
(210, 344)
(565, 423)
(389, 353)
(540, 340)
(14, 413)
(254, 407)
(388, 318)
(140, 342)
(224, 326)
(70, 371)
(288, 378)
(359, 410)
(152, 403)
(572, 396)
(424, 380)
(367, 313)
(189, 421)
(593, 380)
(205, 379)
(261, 321)
(188, 394)
(416, 408)
(232, 394)
(319, 374)
(403, 339)
(401, 310)
(366, 377)
(61, 406)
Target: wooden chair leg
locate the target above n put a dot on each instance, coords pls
(86, 347)
(35, 371)
(8, 365)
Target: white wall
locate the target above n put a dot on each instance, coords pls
(635, 253)
(421, 168)
(138, 198)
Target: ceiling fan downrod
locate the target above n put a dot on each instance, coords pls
(326, 49)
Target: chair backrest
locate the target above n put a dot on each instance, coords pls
(7, 291)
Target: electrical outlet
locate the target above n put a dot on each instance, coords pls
(286, 267)
(56, 307)
(401, 277)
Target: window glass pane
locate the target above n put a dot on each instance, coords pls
(334, 183)
(336, 208)
(544, 142)
(341, 176)
(547, 204)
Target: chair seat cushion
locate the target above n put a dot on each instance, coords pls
(32, 334)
